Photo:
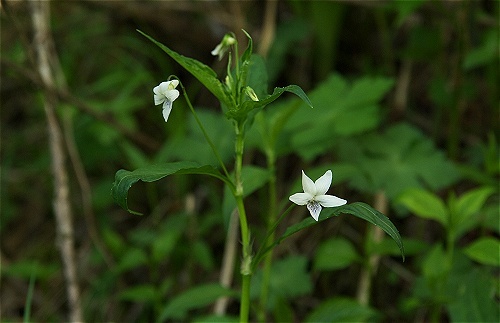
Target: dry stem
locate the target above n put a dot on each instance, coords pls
(62, 209)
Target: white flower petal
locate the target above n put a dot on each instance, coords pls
(171, 95)
(323, 183)
(308, 184)
(159, 99)
(167, 107)
(164, 87)
(300, 198)
(315, 209)
(330, 200)
(216, 50)
(173, 84)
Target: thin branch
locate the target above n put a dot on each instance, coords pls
(375, 235)
(228, 261)
(62, 209)
(269, 27)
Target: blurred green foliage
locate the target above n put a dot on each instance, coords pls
(435, 157)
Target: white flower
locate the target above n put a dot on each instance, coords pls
(251, 94)
(166, 93)
(314, 194)
(223, 46)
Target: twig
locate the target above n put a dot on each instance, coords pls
(228, 260)
(269, 27)
(375, 235)
(62, 209)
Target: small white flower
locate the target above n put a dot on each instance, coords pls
(166, 93)
(251, 94)
(314, 194)
(223, 46)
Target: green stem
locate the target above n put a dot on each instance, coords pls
(207, 138)
(246, 271)
(271, 218)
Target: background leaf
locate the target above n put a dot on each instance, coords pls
(196, 297)
(484, 250)
(335, 253)
(425, 205)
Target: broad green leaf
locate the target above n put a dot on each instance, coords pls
(474, 299)
(140, 293)
(289, 279)
(425, 205)
(358, 209)
(167, 239)
(202, 72)
(125, 179)
(133, 258)
(471, 202)
(30, 268)
(202, 253)
(396, 160)
(242, 111)
(340, 108)
(435, 264)
(335, 253)
(485, 251)
(341, 310)
(196, 297)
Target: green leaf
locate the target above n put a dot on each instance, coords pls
(196, 297)
(474, 299)
(436, 263)
(134, 257)
(242, 111)
(341, 310)
(140, 293)
(167, 239)
(290, 278)
(471, 202)
(26, 269)
(425, 204)
(202, 72)
(336, 253)
(400, 158)
(340, 108)
(246, 58)
(485, 251)
(125, 179)
(358, 209)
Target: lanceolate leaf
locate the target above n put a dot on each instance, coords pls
(361, 210)
(247, 106)
(202, 72)
(124, 179)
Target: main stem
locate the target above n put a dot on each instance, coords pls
(246, 272)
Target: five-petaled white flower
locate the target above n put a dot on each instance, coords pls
(166, 93)
(223, 46)
(314, 194)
